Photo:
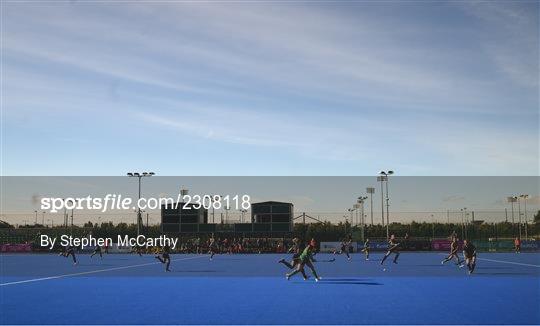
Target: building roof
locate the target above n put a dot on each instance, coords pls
(271, 203)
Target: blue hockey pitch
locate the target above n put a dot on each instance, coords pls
(252, 289)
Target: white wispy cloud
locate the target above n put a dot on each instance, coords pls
(344, 82)
(237, 44)
(515, 51)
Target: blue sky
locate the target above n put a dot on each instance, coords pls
(270, 88)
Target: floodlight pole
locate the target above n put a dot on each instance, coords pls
(513, 220)
(519, 215)
(381, 179)
(371, 191)
(525, 215)
(139, 176)
(385, 175)
(65, 215)
(387, 207)
(360, 204)
(71, 229)
(75, 202)
(363, 222)
(511, 200)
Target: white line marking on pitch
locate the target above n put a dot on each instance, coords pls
(92, 272)
(509, 262)
(504, 262)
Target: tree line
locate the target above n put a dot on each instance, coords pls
(324, 231)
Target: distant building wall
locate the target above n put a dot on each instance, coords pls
(278, 215)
